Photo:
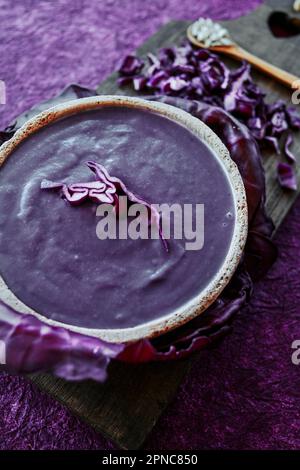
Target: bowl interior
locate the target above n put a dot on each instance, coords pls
(194, 306)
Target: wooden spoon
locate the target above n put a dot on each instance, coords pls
(237, 52)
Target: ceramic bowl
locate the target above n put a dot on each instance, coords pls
(206, 297)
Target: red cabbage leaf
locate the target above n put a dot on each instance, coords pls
(33, 346)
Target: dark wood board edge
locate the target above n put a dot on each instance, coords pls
(150, 387)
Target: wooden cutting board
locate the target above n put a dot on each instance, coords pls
(127, 406)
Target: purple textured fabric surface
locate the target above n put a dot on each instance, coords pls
(46, 45)
(243, 393)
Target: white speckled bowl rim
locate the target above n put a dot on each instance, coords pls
(206, 297)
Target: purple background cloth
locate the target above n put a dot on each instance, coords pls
(242, 394)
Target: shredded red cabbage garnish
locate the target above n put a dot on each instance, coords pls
(198, 74)
(105, 190)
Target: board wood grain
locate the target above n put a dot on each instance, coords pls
(128, 405)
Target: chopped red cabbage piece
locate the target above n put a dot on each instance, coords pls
(139, 83)
(286, 176)
(293, 118)
(214, 74)
(257, 127)
(237, 93)
(278, 123)
(131, 65)
(287, 151)
(272, 142)
(124, 81)
(173, 84)
(157, 78)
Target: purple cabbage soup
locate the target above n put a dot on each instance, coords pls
(50, 255)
